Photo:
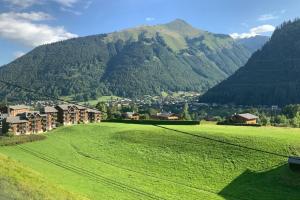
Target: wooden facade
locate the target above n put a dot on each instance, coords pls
(94, 115)
(18, 109)
(72, 114)
(131, 115)
(51, 115)
(19, 120)
(245, 118)
(166, 116)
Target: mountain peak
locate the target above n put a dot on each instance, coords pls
(182, 27)
(178, 24)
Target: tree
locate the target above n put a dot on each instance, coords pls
(290, 111)
(264, 120)
(101, 106)
(185, 115)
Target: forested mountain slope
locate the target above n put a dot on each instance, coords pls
(132, 62)
(270, 77)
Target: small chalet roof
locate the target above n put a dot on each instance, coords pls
(49, 109)
(247, 116)
(294, 160)
(18, 107)
(66, 106)
(93, 111)
(165, 114)
(15, 120)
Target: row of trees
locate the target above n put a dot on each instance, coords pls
(115, 112)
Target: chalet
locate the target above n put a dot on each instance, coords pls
(20, 120)
(73, 114)
(36, 122)
(15, 110)
(94, 115)
(245, 118)
(51, 114)
(16, 125)
(131, 115)
(166, 116)
(83, 114)
(67, 114)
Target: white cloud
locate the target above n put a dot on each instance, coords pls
(267, 28)
(149, 19)
(22, 28)
(87, 4)
(267, 17)
(22, 3)
(70, 11)
(67, 3)
(28, 3)
(18, 54)
(30, 16)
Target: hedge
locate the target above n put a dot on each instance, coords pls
(154, 122)
(237, 124)
(15, 140)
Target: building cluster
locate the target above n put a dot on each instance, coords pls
(21, 120)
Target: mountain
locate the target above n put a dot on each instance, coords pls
(253, 43)
(138, 61)
(270, 77)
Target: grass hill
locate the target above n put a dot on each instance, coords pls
(19, 183)
(270, 77)
(254, 43)
(138, 61)
(125, 161)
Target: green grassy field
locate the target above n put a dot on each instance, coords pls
(125, 161)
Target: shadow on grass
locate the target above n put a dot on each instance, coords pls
(275, 184)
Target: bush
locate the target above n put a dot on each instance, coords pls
(155, 122)
(15, 140)
(237, 124)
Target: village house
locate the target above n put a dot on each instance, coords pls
(131, 115)
(166, 116)
(245, 118)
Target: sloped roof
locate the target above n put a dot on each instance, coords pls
(165, 114)
(49, 109)
(66, 106)
(17, 107)
(93, 111)
(15, 120)
(248, 116)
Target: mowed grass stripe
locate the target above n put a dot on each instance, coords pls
(88, 174)
(225, 143)
(162, 179)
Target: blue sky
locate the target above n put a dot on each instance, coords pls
(25, 24)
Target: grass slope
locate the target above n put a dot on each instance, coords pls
(124, 161)
(18, 182)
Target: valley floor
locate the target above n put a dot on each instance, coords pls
(125, 161)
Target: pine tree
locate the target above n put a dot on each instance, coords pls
(185, 115)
